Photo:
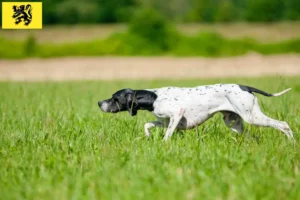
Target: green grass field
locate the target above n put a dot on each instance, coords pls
(125, 44)
(206, 40)
(262, 32)
(56, 144)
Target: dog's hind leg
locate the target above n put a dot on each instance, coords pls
(233, 121)
(255, 116)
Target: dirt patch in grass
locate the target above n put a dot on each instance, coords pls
(113, 68)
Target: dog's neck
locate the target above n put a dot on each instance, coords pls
(145, 99)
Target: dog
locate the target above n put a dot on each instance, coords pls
(185, 108)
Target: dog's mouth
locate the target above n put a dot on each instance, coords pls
(110, 111)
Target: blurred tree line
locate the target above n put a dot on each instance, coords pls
(118, 11)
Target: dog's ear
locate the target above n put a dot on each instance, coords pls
(131, 103)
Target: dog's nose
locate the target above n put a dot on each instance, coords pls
(100, 103)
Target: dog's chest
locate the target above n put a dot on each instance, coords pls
(171, 100)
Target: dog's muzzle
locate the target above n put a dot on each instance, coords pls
(103, 106)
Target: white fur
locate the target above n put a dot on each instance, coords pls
(185, 108)
(104, 107)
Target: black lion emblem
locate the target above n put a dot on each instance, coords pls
(22, 12)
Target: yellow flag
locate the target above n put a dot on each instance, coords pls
(22, 15)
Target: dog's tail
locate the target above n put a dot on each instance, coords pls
(252, 89)
(281, 93)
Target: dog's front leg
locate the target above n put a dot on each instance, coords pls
(150, 125)
(174, 121)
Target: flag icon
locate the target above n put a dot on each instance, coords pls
(22, 15)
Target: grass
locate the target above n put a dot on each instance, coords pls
(262, 32)
(56, 144)
(207, 44)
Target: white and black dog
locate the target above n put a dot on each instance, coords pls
(185, 108)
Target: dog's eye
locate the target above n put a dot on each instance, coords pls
(115, 99)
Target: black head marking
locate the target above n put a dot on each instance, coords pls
(130, 100)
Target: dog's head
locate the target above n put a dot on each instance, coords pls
(122, 100)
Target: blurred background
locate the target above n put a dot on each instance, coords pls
(180, 29)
